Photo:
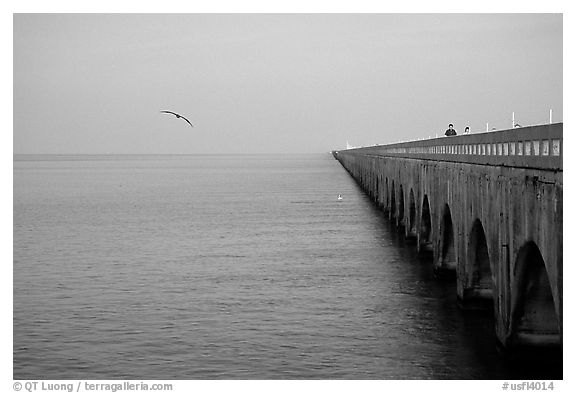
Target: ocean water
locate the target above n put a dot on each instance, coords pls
(228, 267)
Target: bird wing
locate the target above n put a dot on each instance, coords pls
(187, 120)
(178, 116)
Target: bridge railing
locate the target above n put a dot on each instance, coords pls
(528, 147)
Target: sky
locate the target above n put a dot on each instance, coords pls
(275, 83)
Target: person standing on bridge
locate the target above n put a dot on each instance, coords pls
(450, 131)
(467, 130)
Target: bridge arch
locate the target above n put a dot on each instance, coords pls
(425, 232)
(446, 260)
(479, 293)
(381, 191)
(387, 193)
(534, 318)
(376, 195)
(411, 226)
(392, 214)
(400, 218)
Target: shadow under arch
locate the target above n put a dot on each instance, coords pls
(425, 232)
(479, 291)
(534, 321)
(411, 227)
(445, 264)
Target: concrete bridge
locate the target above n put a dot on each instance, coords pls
(488, 208)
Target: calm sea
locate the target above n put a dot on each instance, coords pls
(227, 267)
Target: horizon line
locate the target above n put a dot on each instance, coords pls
(165, 154)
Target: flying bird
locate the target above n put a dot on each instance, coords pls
(178, 117)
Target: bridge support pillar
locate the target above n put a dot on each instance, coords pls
(444, 272)
(476, 299)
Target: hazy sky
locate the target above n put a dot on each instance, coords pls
(257, 83)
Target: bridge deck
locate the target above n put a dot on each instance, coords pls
(539, 147)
